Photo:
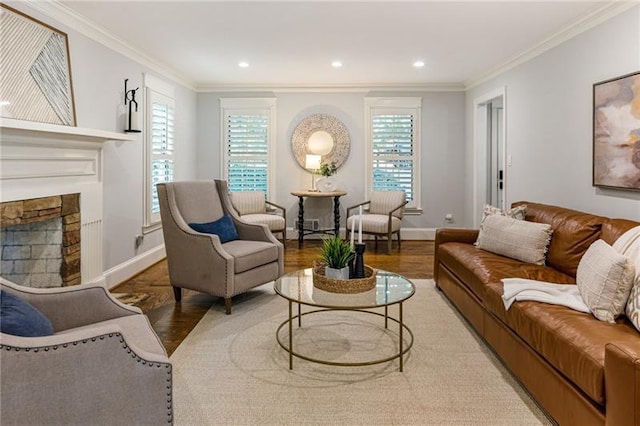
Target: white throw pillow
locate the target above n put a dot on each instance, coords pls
(629, 245)
(518, 212)
(604, 279)
(517, 239)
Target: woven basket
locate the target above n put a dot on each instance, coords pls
(354, 285)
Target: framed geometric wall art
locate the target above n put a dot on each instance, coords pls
(35, 71)
(616, 132)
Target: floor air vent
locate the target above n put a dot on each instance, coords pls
(311, 224)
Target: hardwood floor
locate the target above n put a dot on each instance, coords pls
(174, 321)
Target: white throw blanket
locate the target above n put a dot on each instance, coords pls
(539, 291)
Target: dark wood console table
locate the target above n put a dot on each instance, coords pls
(302, 231)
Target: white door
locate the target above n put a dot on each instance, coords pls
(495, 150)
(489, 152)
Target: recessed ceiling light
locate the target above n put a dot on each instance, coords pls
(418, 64)
(243, 64)
(336, 64)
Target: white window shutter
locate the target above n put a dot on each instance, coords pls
(247, 152)
(392, 153)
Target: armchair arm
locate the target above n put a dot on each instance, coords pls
(364, 203)
(56, 376)
(75, 306)
(391, 214)
(622, 383)
(277, 207)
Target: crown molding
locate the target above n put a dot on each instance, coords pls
(585, 23)
(334, 88)
(69, 17)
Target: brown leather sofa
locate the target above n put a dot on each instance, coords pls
(580, 370)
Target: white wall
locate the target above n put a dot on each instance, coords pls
(98, 75)
(549, 119)
(442, 150)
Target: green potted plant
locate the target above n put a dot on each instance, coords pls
(327, 170)
(327, 183)
(337, 254)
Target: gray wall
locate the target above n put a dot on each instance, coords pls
(442, 150)
(98, 81)
(549, 119)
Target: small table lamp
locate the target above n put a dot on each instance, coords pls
(312, 164)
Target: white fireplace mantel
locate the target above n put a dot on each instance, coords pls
(17, 131)
(41, 160)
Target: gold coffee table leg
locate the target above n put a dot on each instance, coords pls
(291, 334)
(386, 317)
(400, 333)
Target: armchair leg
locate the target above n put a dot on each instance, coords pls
(177, 293)
(399, 241)
(227, 305)
(389, 241)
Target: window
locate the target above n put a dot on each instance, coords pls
(393, 146)
(159, 145)
(248, 156)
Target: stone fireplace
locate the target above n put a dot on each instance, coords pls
(51, 184)
(40, 241)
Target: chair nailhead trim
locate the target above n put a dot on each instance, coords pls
(125, 346)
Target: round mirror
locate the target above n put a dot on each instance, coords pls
(323, 135)
(320, 143)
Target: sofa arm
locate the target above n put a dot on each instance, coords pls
(622, 383)
(446, 235)
(459, 235)
(71, 307)
(92, 376)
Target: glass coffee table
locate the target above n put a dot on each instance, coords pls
(391, 289)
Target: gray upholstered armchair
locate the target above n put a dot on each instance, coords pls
(386, 209)
(104, 364)
(200, 261)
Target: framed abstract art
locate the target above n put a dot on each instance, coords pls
(35, 71)
(616, 132)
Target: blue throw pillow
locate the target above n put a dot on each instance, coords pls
(19, 318)
(223, 228)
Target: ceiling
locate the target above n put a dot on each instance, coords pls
(294, 43)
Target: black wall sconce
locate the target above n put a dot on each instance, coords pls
(132, 116)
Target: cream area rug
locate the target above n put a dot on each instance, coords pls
(230, 370)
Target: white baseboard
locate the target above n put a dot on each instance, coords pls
(406, 233)
(122, 272)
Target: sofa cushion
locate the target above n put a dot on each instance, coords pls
(517, 239)
(251, 254)
(136, 329)
(476, 267)
(605, 278)
(571, 341)
(19, 318)
(573, 233)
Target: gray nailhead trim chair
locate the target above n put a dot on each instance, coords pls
(104, 364)
(200, 261)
